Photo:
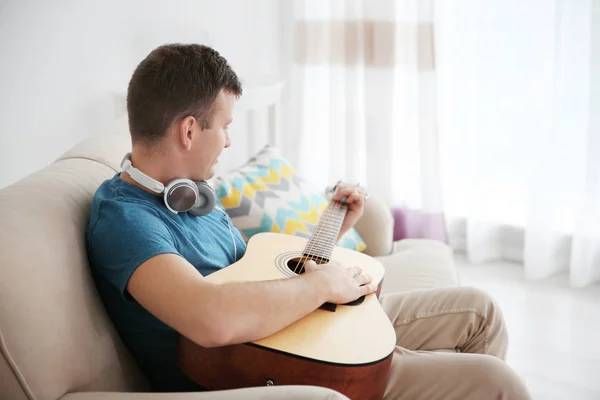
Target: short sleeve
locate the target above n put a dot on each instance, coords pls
(122, 237)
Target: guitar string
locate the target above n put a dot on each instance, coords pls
(328, 228)
(317, 238)
(312, 243)
(328, 225)
(306, 255)
(332, 226)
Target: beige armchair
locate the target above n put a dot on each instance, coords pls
(56, 340)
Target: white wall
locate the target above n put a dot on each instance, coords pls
(61, 60)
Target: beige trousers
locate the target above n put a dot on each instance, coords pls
(451, 344)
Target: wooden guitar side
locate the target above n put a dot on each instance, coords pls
(249, 365)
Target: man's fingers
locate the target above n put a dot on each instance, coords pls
(309, 265)
(368, 289)
(363, 278)
(349, 190)
(355, 197)
(355, 271)
(344, 191)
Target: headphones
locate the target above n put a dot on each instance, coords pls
(180, 195)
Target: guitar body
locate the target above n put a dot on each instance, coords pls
(347, 348)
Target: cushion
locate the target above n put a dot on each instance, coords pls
(267, 195)
(416, 264)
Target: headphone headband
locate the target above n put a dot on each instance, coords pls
(140, 177)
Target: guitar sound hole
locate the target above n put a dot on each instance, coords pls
(296, 265)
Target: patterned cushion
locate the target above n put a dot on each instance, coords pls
(267, 195)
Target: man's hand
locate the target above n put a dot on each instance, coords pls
(342, 285)
(355, 198)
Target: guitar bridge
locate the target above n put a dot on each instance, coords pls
(329, 307)
(332, 307)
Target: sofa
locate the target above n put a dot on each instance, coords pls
(56, 340)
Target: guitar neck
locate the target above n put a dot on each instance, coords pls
(323, 240)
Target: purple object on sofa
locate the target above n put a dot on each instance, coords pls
(416, 224)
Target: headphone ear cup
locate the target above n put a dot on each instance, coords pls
(180, 195)
(207, 198)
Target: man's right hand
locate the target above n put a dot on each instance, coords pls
(342, 285)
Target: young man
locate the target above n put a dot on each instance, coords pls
(148, 262)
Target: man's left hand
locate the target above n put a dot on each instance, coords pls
(355, 199)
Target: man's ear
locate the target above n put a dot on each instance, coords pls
(186, 131)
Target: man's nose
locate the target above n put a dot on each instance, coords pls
(227, 140)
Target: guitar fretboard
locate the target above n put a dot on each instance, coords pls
(323, 240)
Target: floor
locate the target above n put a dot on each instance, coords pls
(554, 330)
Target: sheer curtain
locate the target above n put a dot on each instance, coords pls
(494, 104)
(363, 103)
(519, 109)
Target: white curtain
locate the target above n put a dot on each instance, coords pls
(519, 109)
(363, 98)
(494, 103)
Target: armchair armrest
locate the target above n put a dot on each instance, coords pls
(376, 227)
(262, 393)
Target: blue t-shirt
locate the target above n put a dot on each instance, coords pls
(128, 226)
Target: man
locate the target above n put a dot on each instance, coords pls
(149, 262)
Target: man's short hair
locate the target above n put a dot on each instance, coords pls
(175, 81)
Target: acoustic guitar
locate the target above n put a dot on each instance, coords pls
(347, 347)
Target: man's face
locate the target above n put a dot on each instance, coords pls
(209, 143)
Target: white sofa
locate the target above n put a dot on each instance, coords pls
(56, 340)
